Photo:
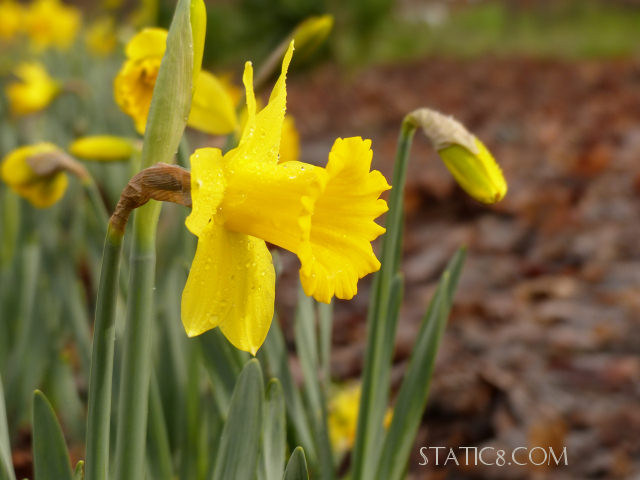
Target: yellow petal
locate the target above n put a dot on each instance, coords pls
(311, 33)
(232, 285)
(260, 139)
(133, 88)
(212, 109)
(102, 147)
(207, 187)
(45, 194)
(342, 226)
(149, 42)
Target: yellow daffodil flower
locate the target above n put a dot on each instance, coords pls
(11, 19)
(342, 420)
(212, 110)
(466, 157)
(103, 148)
(33, 91)
(41, 190)
(246, 197)
(101, 39)
(50, 23)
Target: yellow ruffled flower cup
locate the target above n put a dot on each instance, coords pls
(245, 198)
(212, 109)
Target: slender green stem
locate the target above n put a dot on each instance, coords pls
(381, 326)
(136, 367)
(96, 200)
(100, 379)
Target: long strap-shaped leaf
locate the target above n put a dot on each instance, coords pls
(6, 466)
(50, 457)
(237, 456)
(297, 466)
(381, 327)
(274, 434)
(412, 397)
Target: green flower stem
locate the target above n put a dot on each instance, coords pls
(100, 379)
(136, 367)
(381, 324)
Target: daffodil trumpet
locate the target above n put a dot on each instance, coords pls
(246, 197)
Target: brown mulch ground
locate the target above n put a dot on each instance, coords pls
(542, 346)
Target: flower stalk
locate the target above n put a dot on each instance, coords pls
(168, 112)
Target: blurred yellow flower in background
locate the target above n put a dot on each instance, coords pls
(342, 420)
(50, 23)
(11, 19)
(103, 148)
(41, 188)
(32, 91)
(290, 141)
(212, 108)
(246, 197)
(101, 38)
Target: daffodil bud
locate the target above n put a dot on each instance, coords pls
(38, 173)
(104, 148)
(466, 157)
(198, 18)
(311, 34)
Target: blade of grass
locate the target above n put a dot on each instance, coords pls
(381, 329)
(297, 466)
(239, 446)
(50, 457)
(414, 390)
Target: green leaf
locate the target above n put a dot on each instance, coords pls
(6, 465)
(274, 354)
(240, 443)
(381, 326)
(101, 372)
(274, 435)
(307, 349)
(412, 397)
(297, 466)
(223, 363)
(50, 457)
(158, 451)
